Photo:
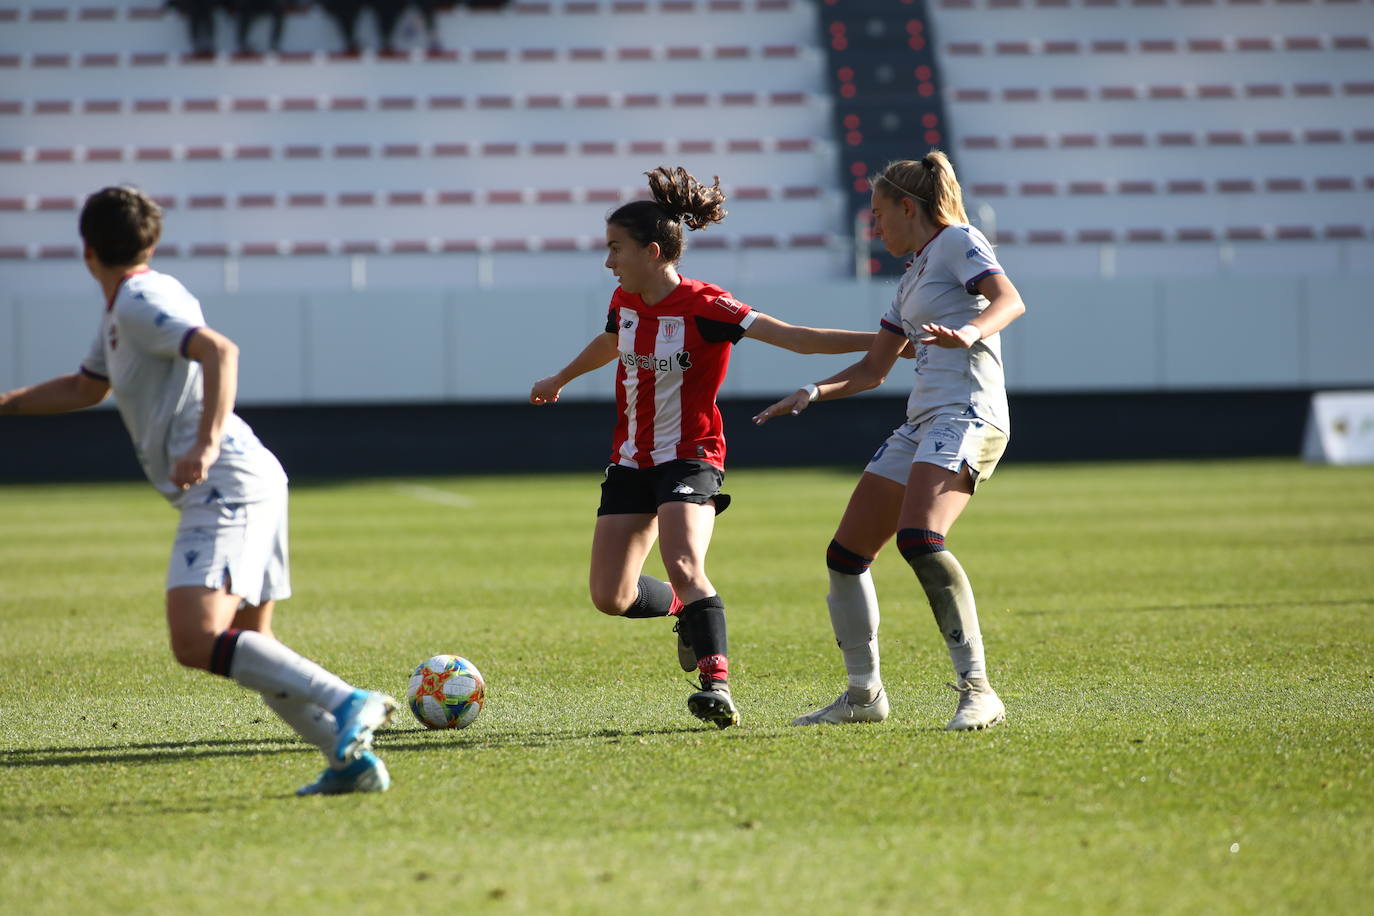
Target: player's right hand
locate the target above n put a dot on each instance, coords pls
(793, 405)
(545, 391)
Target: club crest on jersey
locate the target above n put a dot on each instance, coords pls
(730, 305)
(669, 329)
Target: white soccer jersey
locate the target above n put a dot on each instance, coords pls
(940, 287)
(141, 351)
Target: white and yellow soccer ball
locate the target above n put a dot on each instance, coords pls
(446, 691)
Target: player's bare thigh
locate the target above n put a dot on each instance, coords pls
(619, 547)
(684, 531)
(257, 617)
(935, 497)
(870, 519)
(196, 615)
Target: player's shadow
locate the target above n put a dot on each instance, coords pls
(419, 740)
(152, 752)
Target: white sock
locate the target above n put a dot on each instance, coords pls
(853, 607)
(313, 723)
(951, 600)
(265, 665)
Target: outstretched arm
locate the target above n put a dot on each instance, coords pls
(869, 372)
(59, 395)
(219, 362)
(602, 349)
(801, 339)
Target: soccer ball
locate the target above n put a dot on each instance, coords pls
(446, 691)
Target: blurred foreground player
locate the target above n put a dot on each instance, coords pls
(951, 303)
(174, 381)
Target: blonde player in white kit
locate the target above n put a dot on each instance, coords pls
(952, 302)
(174, 381)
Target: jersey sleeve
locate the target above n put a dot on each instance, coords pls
(892, 320)
(154, 329)
(612, 320)
(94, 363)
(975, 262)
(723, 319)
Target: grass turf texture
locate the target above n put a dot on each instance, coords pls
(1184, 651)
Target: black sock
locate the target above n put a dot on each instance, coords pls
(703, 622)
(655, 599)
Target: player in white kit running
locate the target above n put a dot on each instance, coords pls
(952, 302)
(174, 381)
(672, 337)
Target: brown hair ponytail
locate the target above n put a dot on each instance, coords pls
(678, 199)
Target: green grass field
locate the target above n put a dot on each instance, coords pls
(1186, 652)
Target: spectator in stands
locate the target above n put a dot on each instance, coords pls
(200, 23)
(246, 12)
(952, 302)
(345, 16)
(672, 338)
(389, 14)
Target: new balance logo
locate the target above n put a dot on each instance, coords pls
(683, 488)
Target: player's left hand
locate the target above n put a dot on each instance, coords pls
(793, 405)
(948, 338)
(192, 467)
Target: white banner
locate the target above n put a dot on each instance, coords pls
(1340, 428)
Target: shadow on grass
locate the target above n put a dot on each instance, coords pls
(387, 741)
(155, 752)
(1208, 606)
(421, 740)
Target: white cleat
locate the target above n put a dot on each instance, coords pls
(979, 706)
(845, 711)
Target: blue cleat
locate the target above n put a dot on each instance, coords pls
(358, 717)
(367, 773)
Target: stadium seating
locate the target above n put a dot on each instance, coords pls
(509, 145)
(1091, 135)
(1207, 135)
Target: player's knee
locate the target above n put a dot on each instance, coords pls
(612, 602)
(841, 559)
(685, 575)
(191, 649)
(916, 543)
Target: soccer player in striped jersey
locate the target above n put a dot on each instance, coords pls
(952, 302)
(174, 381)
(672, 337)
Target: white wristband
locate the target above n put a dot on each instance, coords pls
(977, 334)
(812, 392)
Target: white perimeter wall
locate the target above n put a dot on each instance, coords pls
(489, 345)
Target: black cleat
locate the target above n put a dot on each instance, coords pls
(713, 703)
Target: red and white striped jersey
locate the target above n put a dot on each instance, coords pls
(673, 358)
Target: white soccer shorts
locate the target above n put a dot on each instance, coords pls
(950, 441)
(241, 545)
